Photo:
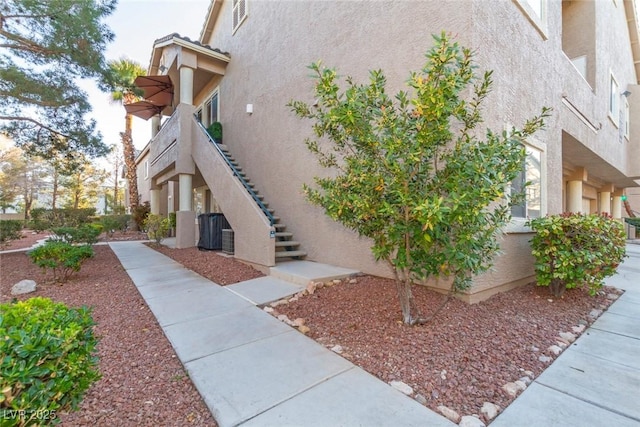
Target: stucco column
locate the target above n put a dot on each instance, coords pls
(186, 85)
(185, 217)
(616, 207)
(185, 182)
(154, 201)
(605, 202)
(574, 196)
(155, 125)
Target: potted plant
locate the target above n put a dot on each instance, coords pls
(215, 130)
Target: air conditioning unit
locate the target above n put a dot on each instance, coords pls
(227, 241)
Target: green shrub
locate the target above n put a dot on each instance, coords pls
(156, 227)
(172, 219)
(574, 250)
(215, 131)
(61, 257)
(112, 223)
(10, 230)
(48, 360)
(46, 219)
(85, 234)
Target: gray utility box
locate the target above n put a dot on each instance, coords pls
(211, 226)
(227, 241)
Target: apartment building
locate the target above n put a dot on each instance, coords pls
(580, 57)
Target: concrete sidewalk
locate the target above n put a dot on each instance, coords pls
(254, 370)
(250, 368)
(596, 381)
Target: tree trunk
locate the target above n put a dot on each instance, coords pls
(54, 191)
(410, 313)
(130, 164)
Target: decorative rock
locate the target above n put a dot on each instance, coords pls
(268, 309)
(337, 349)
(293, 299)
(562, 344)
(311, 288)
(511, 389)
(525, 380)
(449, 413)
(353, 282)
(23, 287)
(535, 349)
(529, 374)
(337, 282)
(401, 387)
(298, 322)
(595, 313)
(612, 296)
(304, 329)
(284, 318)
(443, 374)
(421, 399)
(568, 336)
(279, 302)
(578, 329)
(490, 410)
(555, 349)
(545, 359)
(521, 385)
(471, 421)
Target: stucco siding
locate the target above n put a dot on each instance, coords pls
(531, 67)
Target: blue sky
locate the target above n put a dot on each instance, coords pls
(136, 24)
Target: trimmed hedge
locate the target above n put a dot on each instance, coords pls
(574, 250)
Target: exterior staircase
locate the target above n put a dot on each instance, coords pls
(286, 247)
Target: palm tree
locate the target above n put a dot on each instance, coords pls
(119, 81)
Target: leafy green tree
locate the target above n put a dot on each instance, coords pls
(413, 174)
(119, 81)
(46, 46)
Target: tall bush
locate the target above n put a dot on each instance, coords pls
(414, 172)
(157, 227)
(573, 250)
(48, 360)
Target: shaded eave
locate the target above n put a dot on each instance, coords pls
(184, 42)
(210, 20)
(634, 34)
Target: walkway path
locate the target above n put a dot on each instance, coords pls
(249, 367)
(253, 370)
(596, 381)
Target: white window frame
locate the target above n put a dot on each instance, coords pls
(146, 169)
(536, 15)
(239, 14)
(614, 100)
(205, 107)
(627, 116)
(517, 224)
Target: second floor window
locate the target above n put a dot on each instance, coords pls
(239, 13)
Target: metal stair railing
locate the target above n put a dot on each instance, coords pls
(236, 173)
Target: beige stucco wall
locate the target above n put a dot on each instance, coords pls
(270, 52)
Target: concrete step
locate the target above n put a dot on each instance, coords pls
(284, 234)
(290, 254)
(280, 227)
(286, 243)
